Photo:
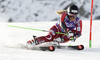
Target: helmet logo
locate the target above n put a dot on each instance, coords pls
(74, 11)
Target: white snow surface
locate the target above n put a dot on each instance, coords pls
(10, 36)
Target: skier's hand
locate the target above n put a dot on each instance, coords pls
(73, 39)
(75, 36)
(70, 33)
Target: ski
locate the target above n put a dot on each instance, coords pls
(76, 47)
(52, 48)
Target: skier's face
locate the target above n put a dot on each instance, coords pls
(72, 17)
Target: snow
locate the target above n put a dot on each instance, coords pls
(10, 36)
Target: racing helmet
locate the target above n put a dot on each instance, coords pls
(73, 9)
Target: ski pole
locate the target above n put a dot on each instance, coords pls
(28, 28)
(36, 29)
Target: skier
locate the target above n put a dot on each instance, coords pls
(69, 23)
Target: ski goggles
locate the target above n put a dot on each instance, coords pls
(72, 15)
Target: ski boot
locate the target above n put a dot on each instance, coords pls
(32, 42)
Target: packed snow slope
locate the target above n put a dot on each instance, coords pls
(10, 36)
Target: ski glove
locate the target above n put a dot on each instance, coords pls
(74, 37)
(70, 33)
